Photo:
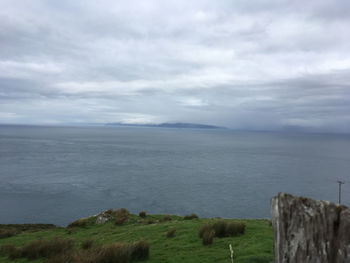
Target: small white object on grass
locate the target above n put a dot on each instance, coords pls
(231, 250)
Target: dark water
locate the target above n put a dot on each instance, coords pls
(58, 174)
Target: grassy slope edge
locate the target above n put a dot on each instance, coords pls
(255, 246)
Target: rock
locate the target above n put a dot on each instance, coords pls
(102, 218)
(309, 231)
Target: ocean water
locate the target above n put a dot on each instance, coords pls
(58, 174)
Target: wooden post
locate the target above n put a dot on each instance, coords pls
(231, 250)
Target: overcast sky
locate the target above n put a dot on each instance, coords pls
(242, 64)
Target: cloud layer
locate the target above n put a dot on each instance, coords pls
(242, 64)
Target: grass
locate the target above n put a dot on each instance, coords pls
(171, 232)
(255, 245)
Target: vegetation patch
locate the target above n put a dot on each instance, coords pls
(190, 217)
(221, 229)
(83, 222)
(165, 218)
(142, 214)
(120, 220)
(122, 215)
(208, 237)
(171, 232)
(134, 241)
(9, 232)
(122, 212)
(87, 243)
(140, 250)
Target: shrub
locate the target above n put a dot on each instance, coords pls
(205, 228)
(9, 232)
(120, 220)
(114, 253)
(87, 244)
(234, 229)
(190, 217)
(15, 254)
(9, 250)
(122, 212)
(142, 214)
(223, 229)
(122, 216)
(70, 230)
(60, 251)
(140, 250)
(69, 258)
(220, 228)
(165, 218)
(208, 237)
(46, 248)
(171, 232)
(150, 221)
(83, 222)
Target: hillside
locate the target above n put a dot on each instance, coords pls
(178, 125)
(255, 245)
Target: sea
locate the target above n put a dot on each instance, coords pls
(59, 174)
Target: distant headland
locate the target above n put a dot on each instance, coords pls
(168, 125)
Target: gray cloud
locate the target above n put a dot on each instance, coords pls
(241, 64)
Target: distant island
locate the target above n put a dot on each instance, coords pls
(168, 125)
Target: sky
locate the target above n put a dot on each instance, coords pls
(255, 65)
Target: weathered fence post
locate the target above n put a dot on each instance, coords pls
(310, 231)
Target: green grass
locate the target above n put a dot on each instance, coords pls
(254, 246)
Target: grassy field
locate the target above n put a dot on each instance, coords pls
(254, 246)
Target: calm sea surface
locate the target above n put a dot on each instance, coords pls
(58, 174)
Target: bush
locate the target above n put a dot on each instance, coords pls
(11, 251)
(38, 249)
(142, 214)
(208, 237)
(69, 258)
(140, 250)
(120, 220)
(150, 221)
(7, 250)
(122, 212)
(165, 218)
(235, 229)
(9, 232)
(46, 248)
(70, 230)
(190, 217)
(83, 222)
(122, 216)
(114, 253)
(204, 229)
(60, 251)
(223, 229)
(87, 244)
(220, 228)
(171, 232)
(15, 254)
